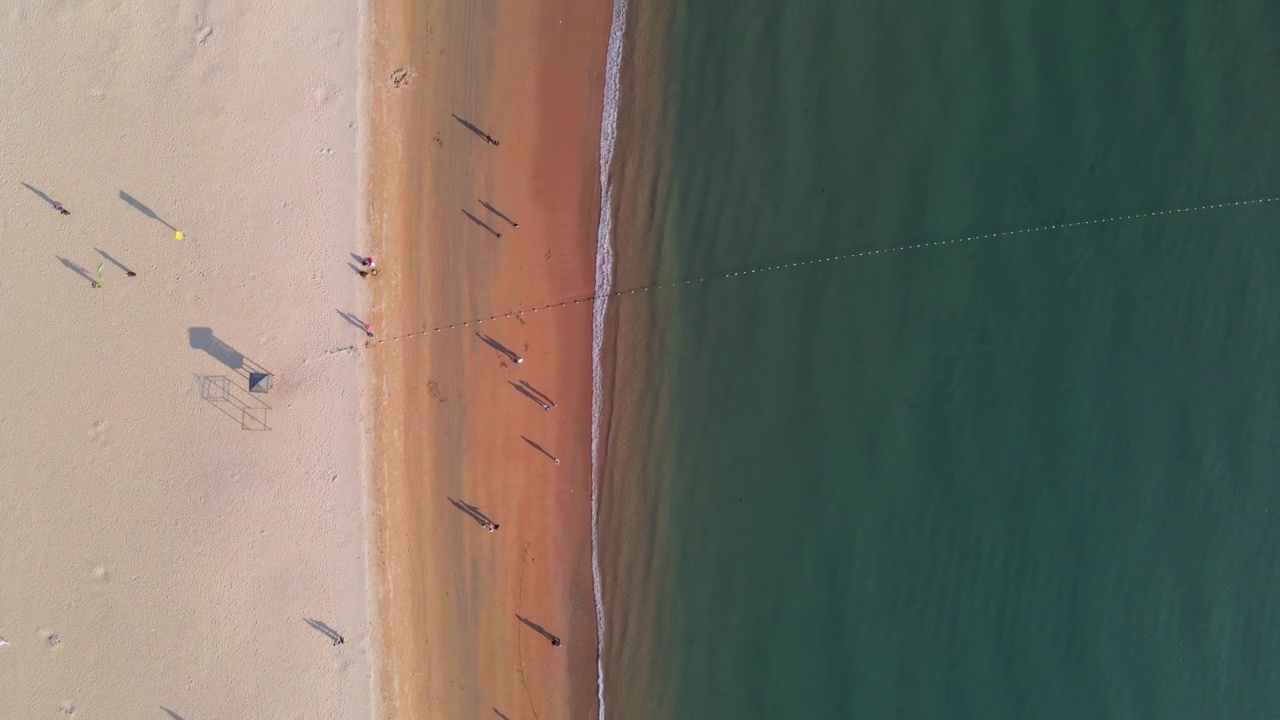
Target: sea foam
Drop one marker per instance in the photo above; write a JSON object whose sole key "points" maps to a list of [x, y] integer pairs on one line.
{"points": [[604, 286]]}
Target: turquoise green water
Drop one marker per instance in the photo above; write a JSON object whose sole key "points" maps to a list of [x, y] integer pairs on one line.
{"points": [[1025, 477]]}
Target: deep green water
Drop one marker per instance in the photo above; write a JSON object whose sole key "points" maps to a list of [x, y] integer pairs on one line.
{"points": [[1027, 477]]}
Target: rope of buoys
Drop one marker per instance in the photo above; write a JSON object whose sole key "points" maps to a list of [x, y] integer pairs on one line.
{"points": [[834, 258]]}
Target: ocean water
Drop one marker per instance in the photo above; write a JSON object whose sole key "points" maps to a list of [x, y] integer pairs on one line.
{"points": [[1027, 476]]}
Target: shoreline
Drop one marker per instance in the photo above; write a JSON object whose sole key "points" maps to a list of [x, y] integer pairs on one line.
{"points": [[635, 400], [602, 337], [448, 423]]}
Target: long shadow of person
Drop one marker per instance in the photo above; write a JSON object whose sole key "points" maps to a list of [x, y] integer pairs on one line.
{"points": [[37, 191], [539, 629], [334, 636], [474, 513], [352, 319], [540, 449], [482, 224], [500, 348], [520, 389], [76, 269], [482, 134], [115, 262], [140, 207], [499, 213]]}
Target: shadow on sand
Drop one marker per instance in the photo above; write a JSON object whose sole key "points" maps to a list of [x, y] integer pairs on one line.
{"points": [[116, 262], [482, 224], [540, 449], [521, 389], [38, 192], [334, 636], [76, 269], [140, 207], [482, 134], [202, 338], [495, 211], [545, 397], [474, 513], [228, 398], [539, 629], [500, 348]]}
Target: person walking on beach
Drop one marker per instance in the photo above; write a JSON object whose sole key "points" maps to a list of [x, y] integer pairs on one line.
{"points": [[368, 330], [58, 206], [369, 267], [337, 640], [555, 641], [491, 526]]}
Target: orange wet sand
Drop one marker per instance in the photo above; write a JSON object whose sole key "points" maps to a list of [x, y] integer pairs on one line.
{"points": [[448, 420]]}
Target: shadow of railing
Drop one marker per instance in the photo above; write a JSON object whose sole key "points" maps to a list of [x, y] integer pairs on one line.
{"points": [[236, 403]]}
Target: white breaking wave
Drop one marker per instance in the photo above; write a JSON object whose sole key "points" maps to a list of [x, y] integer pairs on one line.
{"points": [[603, 288]]}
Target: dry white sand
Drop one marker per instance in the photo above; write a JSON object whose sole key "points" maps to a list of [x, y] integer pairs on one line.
{"points": [[156, 559]]}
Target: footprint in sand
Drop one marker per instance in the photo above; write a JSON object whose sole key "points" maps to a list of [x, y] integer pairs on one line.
{"points": [[101, 574], [67, 707], [98, 434], [205, 33], [322, 93], [401, 77], [50, 638]]}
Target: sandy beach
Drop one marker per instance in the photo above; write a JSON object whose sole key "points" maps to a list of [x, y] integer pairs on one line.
{"points": [[453, 421], [166, 534]]}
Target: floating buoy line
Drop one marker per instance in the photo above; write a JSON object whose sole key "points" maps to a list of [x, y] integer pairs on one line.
{"points": [[829, 259]]}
